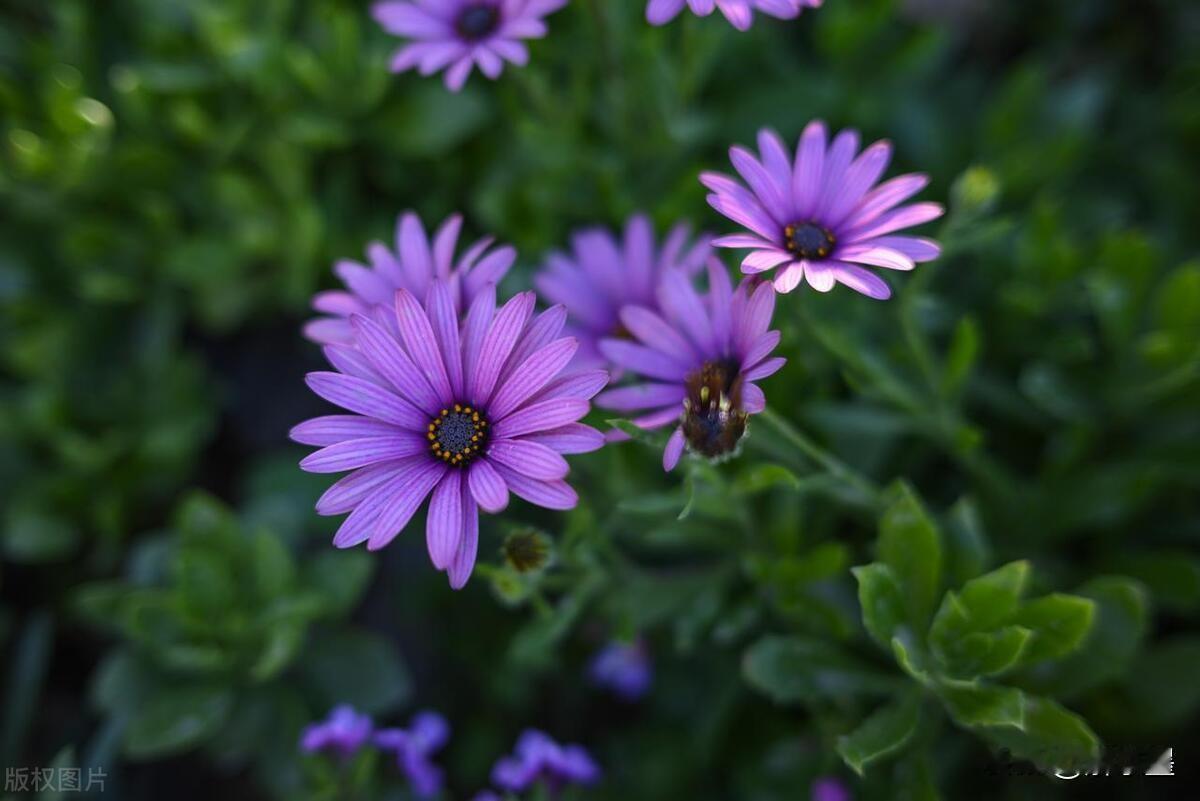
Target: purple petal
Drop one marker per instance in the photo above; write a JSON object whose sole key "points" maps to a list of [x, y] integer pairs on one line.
{"points": [[657, 333], [673, 451], [875, 256], [917, 248], [541, 416], [753, 399], [499, 342], [355, 453], [863, 280], [809, 167], [641, 396], [643, 360], [347, 492], [417, 333], [529, 458], [363, 397], [584, 385], [487, 487], [760, 349], [416, 485], [385, 354], [571, 438], [443, 525], [444, 321], [475, 328], [532, 375], [547, 494], [334, 428], [468, 545]]}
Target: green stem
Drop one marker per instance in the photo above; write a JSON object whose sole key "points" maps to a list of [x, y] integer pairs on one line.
{"points": [[826, 460]]}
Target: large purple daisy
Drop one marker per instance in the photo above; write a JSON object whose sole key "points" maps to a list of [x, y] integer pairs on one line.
{"points": [[740, 13], [465, 415], [603, 274], [822, 217], [414, 266], [700, 357], [457, 35]]}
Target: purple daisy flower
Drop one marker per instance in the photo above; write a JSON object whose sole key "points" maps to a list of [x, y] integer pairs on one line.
{"points": [[624, 668], [700, 357], [602, 274], [457, 35], [829, 789], [538, 758], [343, 733], [414, 747], [415, 265], [740, 13], [463, 414], [821, 218]]}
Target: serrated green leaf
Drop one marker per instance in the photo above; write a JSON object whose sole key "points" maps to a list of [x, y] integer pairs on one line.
{"points": [[1051, 736], [1059, 624], [909, 545], [976, 705], [796, 669], [985, 653], [177, 719], [885, 733], [881, 601]]}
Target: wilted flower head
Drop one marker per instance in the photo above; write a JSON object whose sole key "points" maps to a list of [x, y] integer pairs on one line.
{"points": [[527, 550], [414, 747], [343, 733], [624, 668], [538, 758], [602, 274], [415, 265], [464, 415], [821, 217], [700, 359], [829, 789], [740, 13], [456, 35]]}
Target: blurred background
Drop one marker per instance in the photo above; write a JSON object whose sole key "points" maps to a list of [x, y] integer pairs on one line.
{"points": [[177, 178]]}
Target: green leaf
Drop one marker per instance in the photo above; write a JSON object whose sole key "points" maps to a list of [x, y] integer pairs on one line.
{"points": [[1059, 624], [961, 356], [340, 578], [762, 477], [355, 667], [992, 598], [881, 601], [966, 544], [654, 439], [986, 653], [31, 537], [1050, 737], [881, 735], [271, 565], [796, 669], [177, 719], [1173, 577], [908, 544], [974, 704], [912, 657]]}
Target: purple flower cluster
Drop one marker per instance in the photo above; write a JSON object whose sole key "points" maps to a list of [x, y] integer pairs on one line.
{"points": [[538, 758], [740, 13], [828, 788], [346, 731], [624, 668]]}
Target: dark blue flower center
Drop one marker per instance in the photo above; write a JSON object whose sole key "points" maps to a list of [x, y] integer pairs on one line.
{"points": [[476, 21], [808, 240], [457, 435], [713, 420]]}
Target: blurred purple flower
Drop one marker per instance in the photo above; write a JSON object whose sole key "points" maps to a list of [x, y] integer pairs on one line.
{"points": [[457, 35], [828, 788], [466, 415], [485, 795], [821, 217], [538, 758], [700, 357], [414, 266], [624, 668], [740, 13], [343, 733], [414, 746], [604, 273]]}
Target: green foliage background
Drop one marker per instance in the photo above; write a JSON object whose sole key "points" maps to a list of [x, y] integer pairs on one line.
{"points": [[969, 521]]}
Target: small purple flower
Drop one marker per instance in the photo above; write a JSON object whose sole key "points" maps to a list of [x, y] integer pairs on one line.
{"points": [[828, 788], [457, 35], [485, 795], [343, 733], [602, 274], [700, 359], [624, 668], [414, 747], [740, 13], [821, 217], [462, 414], [538, 758], [415, 265]]}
